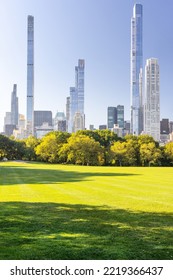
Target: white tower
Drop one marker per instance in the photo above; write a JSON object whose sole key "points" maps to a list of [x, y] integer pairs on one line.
{"points": [[152, 99]]}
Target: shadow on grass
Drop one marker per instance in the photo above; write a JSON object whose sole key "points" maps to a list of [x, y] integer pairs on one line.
{"points": [[66, 231], [11, 175]]}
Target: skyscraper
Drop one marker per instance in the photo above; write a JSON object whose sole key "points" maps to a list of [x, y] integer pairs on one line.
{"points": [[120, 116], [14, 106], [60, 121], [111, 117], [79, 84], [78, 121], [67, 112], [164, 126], [115, 116], [41, 117], [136, 69], [77, 97], [152, 99], [30, 76], [73, 108]]}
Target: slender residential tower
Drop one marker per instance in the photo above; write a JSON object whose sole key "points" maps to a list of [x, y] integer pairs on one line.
{"points": [[14, 106], [79, 84], [77, 100], [152, 99], [136, 69], [30, 76]]}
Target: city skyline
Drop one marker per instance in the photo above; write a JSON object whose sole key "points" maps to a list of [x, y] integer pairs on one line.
{"points": [[105, 48]]}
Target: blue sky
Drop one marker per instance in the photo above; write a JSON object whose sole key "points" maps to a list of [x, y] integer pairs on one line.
{"points": [[95, 30]]}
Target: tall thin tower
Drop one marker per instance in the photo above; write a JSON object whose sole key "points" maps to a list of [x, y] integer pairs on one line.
{"points": [[14, 106], [77, 99], [136, 69], [30, 76], [79, 84]]}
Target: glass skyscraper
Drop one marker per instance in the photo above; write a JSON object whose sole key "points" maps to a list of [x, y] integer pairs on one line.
{"points": [[111, 117], [73, 108], [79, 84], [136, 70], [14, 106], [120, 116], [41, 117], [30, 76], [77, 98]]}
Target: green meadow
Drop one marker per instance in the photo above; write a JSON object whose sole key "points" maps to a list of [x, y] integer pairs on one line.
{"points": [[82, 212]]}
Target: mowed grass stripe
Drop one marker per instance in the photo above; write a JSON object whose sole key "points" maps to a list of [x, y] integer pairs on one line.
{"points": [[128, 188]]}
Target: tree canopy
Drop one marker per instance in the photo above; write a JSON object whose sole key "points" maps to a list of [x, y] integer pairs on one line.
{"points": [[86, 147]]}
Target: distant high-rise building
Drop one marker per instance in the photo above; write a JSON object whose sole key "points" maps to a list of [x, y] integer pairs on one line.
{"points": [[102, 126], [164, 126], [91, 127], [62, 125], [30, 76], [171, 126], [141, 105], [8, 129], [14, 106], [41, 117], [111, 117], [126, 128], [78, 121], [20, 132], [136, 69], [22, 121], [67, 112], [42, 130], [120, 116], [77, 97], [152, 99], [60, 122], [73, 108], [7, 118], [117, 130], [79, 84]]}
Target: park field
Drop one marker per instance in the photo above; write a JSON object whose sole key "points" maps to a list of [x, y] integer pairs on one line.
{"points": [[60, 212]]}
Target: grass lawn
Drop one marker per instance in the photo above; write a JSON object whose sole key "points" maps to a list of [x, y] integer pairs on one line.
{"points": [[78, 212]]}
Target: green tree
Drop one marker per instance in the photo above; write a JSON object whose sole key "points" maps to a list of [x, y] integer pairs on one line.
{"points": [[146, 139], [30, 146], [150, 154], [132, 152], [105, 137], [50, 144], [82, 149], [11, 149], [3, 146], [133, 145], [18, 150], [168, 152], [118, 152]]}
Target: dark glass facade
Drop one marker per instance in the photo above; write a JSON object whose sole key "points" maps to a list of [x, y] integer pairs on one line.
{"points": [[111, 117], [41, 117]]}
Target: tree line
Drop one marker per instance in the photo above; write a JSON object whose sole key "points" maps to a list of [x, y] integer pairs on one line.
{"points": [[86, 147]]}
